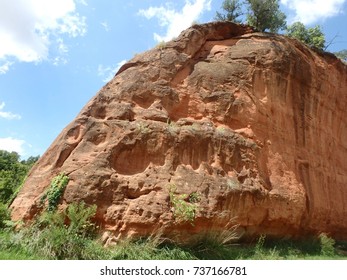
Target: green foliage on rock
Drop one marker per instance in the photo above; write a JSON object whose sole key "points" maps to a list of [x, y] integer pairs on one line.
{"points": [[55, 191], [313, 37], [184, 205]]}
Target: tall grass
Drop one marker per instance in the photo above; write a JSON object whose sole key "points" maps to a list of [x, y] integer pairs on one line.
{"points": [[50, 237], [59, 244], [71, 235], [149, 249]]}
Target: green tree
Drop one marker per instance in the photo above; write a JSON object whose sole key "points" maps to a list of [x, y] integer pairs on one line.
{"points": [[265, 15], [313, 37], [8, 160], [30, 161], [232, 9], [12, 173], [4, 215]]}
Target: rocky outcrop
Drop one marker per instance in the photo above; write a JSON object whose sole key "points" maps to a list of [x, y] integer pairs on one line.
{"points": [[223, 126]]}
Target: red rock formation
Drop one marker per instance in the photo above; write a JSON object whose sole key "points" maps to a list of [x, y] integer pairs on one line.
{"points": [[252, 126]]}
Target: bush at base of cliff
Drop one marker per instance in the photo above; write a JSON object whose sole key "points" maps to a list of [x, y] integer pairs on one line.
{"points": [[50, 238], [327, 245]]}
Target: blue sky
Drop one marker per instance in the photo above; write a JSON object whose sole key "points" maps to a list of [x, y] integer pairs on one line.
{"points": [[56, 54]]}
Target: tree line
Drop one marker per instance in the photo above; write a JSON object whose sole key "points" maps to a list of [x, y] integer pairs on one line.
{"points": [[12, 174], [265, 15]]}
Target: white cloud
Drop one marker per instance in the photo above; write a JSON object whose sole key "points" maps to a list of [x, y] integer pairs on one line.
{"points": [[62, 50], [8, 115], [12, 145], [176, 21], [5, 67], [312, 11], [28, 28], [59, 60], [108, 72], [105, 26], [61, 46], [83, 2]]}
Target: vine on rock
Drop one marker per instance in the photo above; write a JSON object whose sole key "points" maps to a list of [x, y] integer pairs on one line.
{"points": [[55, 191]]}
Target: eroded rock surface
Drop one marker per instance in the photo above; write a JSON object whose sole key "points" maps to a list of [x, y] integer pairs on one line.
{"points": [[252, 125]]}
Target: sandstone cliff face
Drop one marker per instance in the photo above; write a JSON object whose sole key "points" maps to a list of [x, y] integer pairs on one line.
{"points": [[252, 126]]}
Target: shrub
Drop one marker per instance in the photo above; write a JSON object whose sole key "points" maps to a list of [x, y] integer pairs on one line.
{"points": [[327, 245], [80, 215], [161, 45], [142, 128], [194, 197], [60, 243], [51, 238], [183, 210]]}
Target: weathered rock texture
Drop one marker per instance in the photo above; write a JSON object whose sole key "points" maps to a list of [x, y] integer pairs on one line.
{"points": [[254, 125]]}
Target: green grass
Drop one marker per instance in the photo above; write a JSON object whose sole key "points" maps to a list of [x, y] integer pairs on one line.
{"points": [[12, 250], [13, 254], [148, 250], [71, 235], [58, 244]]}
